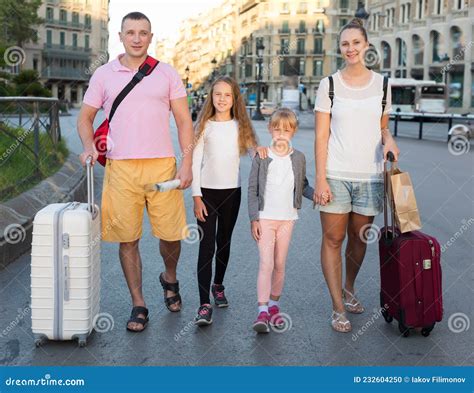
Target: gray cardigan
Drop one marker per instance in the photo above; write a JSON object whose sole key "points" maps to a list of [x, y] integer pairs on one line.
{"points": [[258, 181]]}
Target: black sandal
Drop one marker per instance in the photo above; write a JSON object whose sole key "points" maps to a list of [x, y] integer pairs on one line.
{"points": [[136, 311], [173, 287]]}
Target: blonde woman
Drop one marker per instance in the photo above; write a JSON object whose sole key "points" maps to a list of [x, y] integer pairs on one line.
{"points": [[352, 141]]}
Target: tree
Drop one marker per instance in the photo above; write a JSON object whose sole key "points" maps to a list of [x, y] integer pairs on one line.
{"points": [[18, 20]]}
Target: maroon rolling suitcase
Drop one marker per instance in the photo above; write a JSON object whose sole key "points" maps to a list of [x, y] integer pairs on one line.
{"points": [[410, 275]]}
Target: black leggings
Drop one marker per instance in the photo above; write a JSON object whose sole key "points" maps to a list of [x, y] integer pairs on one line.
{"points": [[222, 209]]}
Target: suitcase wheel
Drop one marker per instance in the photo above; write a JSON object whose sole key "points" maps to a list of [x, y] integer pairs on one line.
{"points": [[425, 332], [388, 318], [40, 339], [82, 342], [403, 329]]}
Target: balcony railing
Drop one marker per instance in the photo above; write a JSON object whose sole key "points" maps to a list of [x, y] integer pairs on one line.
{"points": [[64, 73], [66, 51], [64, 24], [302, 30], [284, 31]]}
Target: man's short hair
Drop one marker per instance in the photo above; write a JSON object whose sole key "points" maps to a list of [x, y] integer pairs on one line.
{"points": [[135, 16]]}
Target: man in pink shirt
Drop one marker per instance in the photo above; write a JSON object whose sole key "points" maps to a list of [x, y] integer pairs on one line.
{"points": [[140, 152]]}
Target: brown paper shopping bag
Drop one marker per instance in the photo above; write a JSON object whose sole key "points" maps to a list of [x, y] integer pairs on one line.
{"points": [[407, 217]]}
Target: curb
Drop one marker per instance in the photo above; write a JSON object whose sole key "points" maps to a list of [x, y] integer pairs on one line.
{"points": [[17, 214]]}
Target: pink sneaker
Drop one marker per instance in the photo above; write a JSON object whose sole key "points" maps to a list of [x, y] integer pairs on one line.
{"points": [[275, 318], [261, 324]]}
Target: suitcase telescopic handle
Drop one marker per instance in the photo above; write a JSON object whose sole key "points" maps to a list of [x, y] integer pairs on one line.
{"points": [[90, 185], [386, 195]]}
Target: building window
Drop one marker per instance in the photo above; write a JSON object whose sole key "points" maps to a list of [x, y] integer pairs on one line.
{"points": [[49, 37], [74, 40], [418, 49], [435, 39], [302, 68], [282, 67], [87, 20], [300, 46], [75, 18], [402, 53], [438, 7], [285, 8], [35, 64], [49, 14], [459, 4], [62, 38], [342, 22], [86, 41], [248, 70], [303, 8], [284, 46], [319, 26], [63, 15], [407, 12], [285, 28], [387, 55], [420, 9], [343, 4], [302, 26], [317, 68], [318, 45]]}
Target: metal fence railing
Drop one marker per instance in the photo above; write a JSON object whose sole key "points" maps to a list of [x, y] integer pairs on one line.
{"points": [[33, 115]]}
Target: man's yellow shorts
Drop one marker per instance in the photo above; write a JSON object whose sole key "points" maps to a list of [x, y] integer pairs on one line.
{"points": [[125, 196]]}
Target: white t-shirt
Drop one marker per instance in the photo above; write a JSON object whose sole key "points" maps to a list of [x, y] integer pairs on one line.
{"points": [[355, 150], [216, 157], [279, 189]]}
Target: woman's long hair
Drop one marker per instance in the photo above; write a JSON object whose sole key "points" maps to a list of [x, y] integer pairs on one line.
{"points": [[247, 138]]}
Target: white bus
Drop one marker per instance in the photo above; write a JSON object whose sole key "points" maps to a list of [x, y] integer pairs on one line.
{"points": [[411, 95]]}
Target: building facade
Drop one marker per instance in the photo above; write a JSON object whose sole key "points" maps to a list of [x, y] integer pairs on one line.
{"points": [[72, 43], [426, 40], [300, 40]]}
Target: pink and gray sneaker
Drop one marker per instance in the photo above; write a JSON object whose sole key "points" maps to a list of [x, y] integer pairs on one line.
{"points": [[275, 318], [261, 324]]}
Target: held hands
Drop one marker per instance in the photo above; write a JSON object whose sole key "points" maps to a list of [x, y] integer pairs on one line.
{"points": [[322, 193], [256, 230], [199, 209]]}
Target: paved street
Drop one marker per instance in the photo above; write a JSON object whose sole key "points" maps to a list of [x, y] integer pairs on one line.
{"points": [[444, 189]]}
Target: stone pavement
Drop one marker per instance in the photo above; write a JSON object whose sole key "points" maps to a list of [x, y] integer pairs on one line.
{"points": [[445, 190]]}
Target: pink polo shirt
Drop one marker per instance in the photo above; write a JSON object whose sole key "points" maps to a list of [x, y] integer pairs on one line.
{"points": [[140, 126]]}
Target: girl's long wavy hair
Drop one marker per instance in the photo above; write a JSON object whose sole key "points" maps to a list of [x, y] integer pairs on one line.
{"points": [[247, 138]]}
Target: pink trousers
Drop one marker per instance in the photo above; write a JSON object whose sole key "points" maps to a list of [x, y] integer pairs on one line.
{"points": [[273, 248]]}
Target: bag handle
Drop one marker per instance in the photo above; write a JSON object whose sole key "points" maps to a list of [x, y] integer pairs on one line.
{"points": [[145, 69], [331, 89], [387, 192]]}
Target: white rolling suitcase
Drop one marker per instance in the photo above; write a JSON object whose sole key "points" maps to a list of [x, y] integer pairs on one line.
{"points": [[65, 269]]}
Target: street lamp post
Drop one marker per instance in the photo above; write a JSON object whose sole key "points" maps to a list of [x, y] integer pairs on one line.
{"points": [[213, 62], [260, 48], [187, 76]]}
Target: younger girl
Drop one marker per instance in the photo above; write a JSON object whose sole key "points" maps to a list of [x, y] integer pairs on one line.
{"points": [[276, 186], [223, 133]]}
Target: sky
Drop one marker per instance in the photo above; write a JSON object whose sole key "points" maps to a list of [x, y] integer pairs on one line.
{"points": [[165, 17]]}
